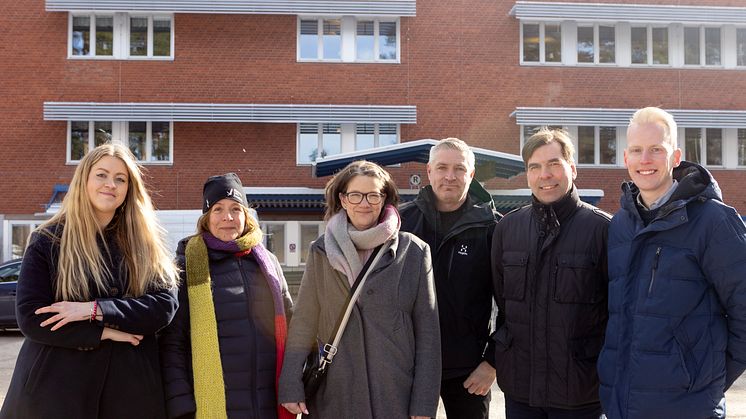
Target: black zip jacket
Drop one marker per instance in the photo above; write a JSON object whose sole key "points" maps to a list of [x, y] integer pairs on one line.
{"points": [[551, 284], [461, 265]]}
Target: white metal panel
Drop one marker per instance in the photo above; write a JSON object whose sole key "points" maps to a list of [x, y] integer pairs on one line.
{"points": [[275, 7], [537, 10], [621, 117], [211, 112]]}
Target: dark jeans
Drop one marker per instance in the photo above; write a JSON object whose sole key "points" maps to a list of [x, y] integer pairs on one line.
{"points": [[459, 404], [518, 410]]}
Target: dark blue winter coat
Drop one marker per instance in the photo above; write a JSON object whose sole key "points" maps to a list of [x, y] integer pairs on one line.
{"points": [[244, 310], [676, 336]]}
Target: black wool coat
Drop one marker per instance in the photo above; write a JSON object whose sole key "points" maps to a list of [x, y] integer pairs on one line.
{"points": [[71, 372]]}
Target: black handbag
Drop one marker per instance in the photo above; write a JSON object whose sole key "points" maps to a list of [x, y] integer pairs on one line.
{"points": [[318, 361]]}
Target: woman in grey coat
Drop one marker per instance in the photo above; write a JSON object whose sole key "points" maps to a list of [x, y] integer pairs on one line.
{"points": [[388, 360]]}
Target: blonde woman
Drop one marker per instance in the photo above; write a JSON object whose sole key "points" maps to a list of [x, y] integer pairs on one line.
{"points": [[97, 282]]}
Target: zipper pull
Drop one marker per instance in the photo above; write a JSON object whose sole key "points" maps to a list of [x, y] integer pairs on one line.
{"points": [[655, 268]]}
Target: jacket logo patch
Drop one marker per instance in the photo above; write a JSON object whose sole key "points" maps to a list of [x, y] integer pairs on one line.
{"points": [[463, 251]]}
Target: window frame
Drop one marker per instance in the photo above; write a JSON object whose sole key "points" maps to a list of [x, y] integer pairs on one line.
{"points": [[376, 135], [596, 44], [348, 137], [597, 146], [320, 230], [738, 149], [737, 29], [348, 39], [542, 43], [120, 36], [703, 46], [284, 261], [703, 146], [8, 234], [649, 46], [120, 134]]}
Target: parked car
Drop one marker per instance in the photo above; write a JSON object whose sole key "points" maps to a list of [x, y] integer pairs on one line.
{"points": [[8, 280]]}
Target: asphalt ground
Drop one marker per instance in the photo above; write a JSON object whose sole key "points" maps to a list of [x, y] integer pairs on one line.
{"points": [[10, 344]]}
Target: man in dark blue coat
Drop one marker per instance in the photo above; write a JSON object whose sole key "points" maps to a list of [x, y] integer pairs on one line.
{"points": [[676, 337]]}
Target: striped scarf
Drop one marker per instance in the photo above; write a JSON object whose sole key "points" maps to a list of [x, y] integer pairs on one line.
{"points": [[209, 386]]}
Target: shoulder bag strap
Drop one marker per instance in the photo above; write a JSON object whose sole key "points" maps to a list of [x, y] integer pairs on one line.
{"points": [[330, 349]]}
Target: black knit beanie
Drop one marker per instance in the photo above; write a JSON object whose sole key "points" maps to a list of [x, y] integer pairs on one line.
{"points": [[221, 187]]}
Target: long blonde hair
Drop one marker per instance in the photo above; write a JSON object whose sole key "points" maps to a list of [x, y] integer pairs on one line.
{"points": [[149, 264]]}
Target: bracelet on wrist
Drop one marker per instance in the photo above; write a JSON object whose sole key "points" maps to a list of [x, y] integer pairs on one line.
{"points": [[94, 311]]}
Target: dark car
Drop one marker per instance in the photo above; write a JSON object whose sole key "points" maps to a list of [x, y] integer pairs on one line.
{"points": [[8, 280]]}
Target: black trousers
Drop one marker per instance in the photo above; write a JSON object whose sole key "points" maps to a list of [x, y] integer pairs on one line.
{"points": [[518, 410], [459, 404]]}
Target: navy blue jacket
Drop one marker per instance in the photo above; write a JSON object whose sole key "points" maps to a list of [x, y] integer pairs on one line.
{"points": [[245, 316], [676, 336]]}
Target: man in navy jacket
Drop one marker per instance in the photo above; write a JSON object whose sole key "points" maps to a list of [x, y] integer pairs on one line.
{"points": [[676, 336]]}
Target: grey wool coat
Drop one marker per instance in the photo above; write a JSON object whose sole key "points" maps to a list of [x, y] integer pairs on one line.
{"points": [[388, 361]]}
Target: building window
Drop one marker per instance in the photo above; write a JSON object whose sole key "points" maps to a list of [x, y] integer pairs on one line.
{"points": [[742, 146], [326, 39], [376, 41], [542, 42], [321, 140], [15, 237], [308, 233], [150, 142], [597, 145], [702, 45], [741, 47], [704, 146], [649, 45], [318, 140], [596, 44], [121, 36], [528, 130], [274, 236], [375, 135]]}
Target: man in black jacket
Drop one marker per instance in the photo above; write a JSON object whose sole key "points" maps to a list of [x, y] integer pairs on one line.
{"points": [[456, 216], [549, 267]]}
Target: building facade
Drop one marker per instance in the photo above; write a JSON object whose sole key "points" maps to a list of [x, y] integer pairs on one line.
{"points": [[264, 88]]}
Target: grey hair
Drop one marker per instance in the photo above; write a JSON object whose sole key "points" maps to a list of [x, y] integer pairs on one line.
{"points": [[452, 143]]}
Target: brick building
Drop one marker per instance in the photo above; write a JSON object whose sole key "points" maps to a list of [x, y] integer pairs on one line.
{"points": [[198, 88]]}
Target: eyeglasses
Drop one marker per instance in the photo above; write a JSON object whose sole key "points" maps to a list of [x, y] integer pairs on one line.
{"points": [[373, 198]]}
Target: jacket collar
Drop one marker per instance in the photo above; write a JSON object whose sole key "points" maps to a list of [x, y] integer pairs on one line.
{"points": [[480, 207], [559, 211], [695, 182]]}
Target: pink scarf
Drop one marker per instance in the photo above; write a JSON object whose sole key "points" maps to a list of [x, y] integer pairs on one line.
{"points": [[345, 244]]}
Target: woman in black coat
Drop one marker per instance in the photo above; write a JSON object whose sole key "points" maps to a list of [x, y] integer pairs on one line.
{"points": [[223, 352], [96, 284]]}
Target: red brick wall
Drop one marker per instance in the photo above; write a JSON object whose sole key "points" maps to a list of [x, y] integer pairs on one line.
{"points": [[459, 66]]}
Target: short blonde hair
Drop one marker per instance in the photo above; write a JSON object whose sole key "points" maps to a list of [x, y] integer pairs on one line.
{"points": [[656, 115], [452, 143]]}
